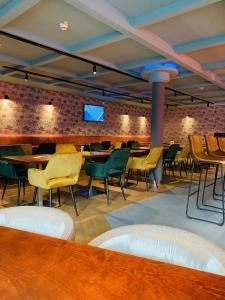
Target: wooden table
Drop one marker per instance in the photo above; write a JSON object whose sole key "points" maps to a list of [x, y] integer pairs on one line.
{"points": [[39, 267], [29, 159]]}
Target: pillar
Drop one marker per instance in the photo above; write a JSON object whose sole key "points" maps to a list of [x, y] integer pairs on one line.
{"points": [[159, 77]]}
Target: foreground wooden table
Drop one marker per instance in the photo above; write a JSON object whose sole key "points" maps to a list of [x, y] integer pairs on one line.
{"points": [[39, 267]]}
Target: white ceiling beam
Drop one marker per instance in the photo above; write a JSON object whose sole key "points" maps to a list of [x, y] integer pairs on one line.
{"points": [[110, 16], [14, 9]]}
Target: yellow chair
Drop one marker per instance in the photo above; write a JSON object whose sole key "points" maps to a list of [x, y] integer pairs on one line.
{"points": [[146, 164], [221, 143], [117, 145], [27, 148], [182, 157], [213, 147], [65, 148], [62, 170]]}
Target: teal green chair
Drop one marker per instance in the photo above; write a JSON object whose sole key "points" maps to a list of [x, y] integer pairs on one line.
{"points": [[115, 166], [96, 147], [12, 171]]}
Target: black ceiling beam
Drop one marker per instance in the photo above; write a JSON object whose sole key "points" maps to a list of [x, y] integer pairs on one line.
{"points": [[65, 53], [75, 83]]}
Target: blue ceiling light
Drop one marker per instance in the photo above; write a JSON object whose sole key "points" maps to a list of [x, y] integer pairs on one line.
{"points": [[162, 65]]}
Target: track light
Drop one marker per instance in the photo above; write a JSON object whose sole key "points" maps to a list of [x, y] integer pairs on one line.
{"points": [[192, 99], [6, 97], [94, 70], [208, 104], [49, 103], [26, 77], [175, 93], [103, 93]]}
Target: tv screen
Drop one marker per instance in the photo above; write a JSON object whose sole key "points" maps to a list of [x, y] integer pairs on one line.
{"points": [[94, 113]]}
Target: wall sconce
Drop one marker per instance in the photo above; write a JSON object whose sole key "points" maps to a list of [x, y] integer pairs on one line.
{"points": [[50, 106], [6, 97]]}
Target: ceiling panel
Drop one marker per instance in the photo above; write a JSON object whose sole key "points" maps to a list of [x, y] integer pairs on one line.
{"points": [[200, 23], [121, 52], [20, 50], [211, 54], [44, 18], [134, 8]]}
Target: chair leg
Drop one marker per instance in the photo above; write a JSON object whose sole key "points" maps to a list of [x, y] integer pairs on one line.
{"points": [[106, 187], [5, 186], [155, 179], [73, 199], [18, 194], [24, 186], [35, 195], [137, 176], [90, 186], [128, 175], [59, 198], [50, 197], [122, 188], [146, 181]]}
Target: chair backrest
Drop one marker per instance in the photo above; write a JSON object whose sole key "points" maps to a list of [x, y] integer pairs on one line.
{"points": [[46, 148], [133, 144], [106, 145], [27, 148], [65, 148], [96, 147], [221, 142], [185, 151], [195, 145], [172, 152], [118, 159], [211, 143], [154, 155], [64, 164], [13, 150], [117, 145]]}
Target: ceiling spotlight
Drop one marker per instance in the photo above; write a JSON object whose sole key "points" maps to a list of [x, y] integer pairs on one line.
{"points": [[103, 92], [49, 103], [192, 99], [94, 70], [26, 77], [208, 104], [64, 25], [6, 97]]}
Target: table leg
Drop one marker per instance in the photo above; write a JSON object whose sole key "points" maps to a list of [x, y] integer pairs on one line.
{"points": [[40, 197]]}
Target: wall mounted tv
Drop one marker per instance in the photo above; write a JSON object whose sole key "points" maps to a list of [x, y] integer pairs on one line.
{"points": [[94, 113]]}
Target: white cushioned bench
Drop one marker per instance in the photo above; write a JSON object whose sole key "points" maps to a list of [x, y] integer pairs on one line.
{"points": [[43, 220], [167, 244]]}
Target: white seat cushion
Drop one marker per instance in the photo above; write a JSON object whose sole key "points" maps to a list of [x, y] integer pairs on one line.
{"points": [[43, 220], [167, 244]]}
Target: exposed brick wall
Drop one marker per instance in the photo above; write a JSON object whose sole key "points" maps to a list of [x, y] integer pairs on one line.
{"points": [[179, 122], [27, 113]]}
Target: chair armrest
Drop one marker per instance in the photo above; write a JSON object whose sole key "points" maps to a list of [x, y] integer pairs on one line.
{"points": [[38, 178]]}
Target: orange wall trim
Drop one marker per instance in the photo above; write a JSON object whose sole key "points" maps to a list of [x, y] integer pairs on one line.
{"points": [[36, 139]]}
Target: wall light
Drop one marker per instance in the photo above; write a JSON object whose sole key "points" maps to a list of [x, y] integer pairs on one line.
{"points": [[6, 97], [26, 78], [94, 70]]}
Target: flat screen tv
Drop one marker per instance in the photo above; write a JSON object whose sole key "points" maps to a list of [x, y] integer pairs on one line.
{"points": [[94, 113]]}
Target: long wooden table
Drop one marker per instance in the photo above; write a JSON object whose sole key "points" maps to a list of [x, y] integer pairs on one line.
{"points": [[35, 267]]}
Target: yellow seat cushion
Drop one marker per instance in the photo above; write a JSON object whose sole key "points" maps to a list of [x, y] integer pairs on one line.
{"points": [[117, 145]]}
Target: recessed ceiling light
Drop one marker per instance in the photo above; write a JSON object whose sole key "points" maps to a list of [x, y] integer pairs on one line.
{"points": [[64, 25]]}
